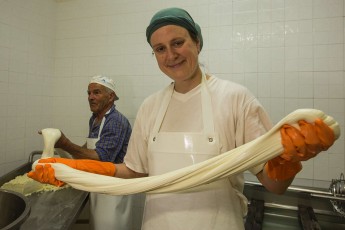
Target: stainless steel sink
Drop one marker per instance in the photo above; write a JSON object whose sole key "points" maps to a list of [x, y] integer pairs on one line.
{"points": [[48, 210], [14, 209]]}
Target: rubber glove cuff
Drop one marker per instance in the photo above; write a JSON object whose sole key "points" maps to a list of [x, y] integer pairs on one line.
{"points": [[92, 166], [280, 169]]}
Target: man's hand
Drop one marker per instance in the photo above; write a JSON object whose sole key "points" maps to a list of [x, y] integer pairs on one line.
{"points": [[62, 142]]}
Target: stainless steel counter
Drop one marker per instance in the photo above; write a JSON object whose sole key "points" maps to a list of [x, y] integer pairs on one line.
{"points": [[283, 211], [50, 210], [55, 210]]}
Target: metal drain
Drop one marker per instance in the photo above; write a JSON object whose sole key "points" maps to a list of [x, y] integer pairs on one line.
{"points": [[337, 188]]}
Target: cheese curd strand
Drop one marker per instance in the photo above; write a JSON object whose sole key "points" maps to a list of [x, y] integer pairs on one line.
{"points": [[232, 162], [50, 137]]}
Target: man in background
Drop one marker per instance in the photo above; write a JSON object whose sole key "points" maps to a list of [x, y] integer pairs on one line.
{"points": [[109, 133]]}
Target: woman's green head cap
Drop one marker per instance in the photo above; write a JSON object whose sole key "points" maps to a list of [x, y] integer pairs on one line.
{"points": [[173, 16]]}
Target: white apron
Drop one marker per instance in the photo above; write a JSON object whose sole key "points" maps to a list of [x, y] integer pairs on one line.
{"points": [[108, 212], [212, 207]]}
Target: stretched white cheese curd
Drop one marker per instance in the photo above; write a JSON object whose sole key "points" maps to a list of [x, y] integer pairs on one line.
{"points": [[232, 162], [50, 137]]}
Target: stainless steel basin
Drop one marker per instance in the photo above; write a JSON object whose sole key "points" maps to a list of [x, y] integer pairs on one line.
{"points": [[14, 209], [57, 210]]}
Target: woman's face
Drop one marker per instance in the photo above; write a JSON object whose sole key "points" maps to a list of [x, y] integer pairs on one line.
{"points": [[176, 53]]}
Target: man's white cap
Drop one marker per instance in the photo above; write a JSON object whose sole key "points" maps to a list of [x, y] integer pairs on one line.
{"points": [[105, 81]]}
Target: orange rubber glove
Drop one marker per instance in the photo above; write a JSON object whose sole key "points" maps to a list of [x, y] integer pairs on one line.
{"points": [[299, 145], [46, 174]]}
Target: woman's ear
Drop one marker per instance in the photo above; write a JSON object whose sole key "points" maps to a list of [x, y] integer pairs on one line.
{"points": [[198, 46]]}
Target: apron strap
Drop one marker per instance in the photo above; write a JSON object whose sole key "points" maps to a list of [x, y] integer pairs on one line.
{"points": [[163, 108], [102, 124], [101, 127], [206, 104]]}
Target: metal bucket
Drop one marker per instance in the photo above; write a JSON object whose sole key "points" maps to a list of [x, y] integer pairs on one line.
{"points": [[14, 209]]}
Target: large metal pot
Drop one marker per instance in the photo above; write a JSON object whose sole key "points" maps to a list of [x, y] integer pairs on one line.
{"points": [[14, 209]]}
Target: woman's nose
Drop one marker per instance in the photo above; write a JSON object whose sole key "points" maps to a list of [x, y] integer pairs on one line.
{"points": [[171, 54]]}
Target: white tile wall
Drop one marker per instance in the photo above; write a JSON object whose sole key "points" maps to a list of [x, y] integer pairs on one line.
{"points": [[27, 41], [289, 53]]}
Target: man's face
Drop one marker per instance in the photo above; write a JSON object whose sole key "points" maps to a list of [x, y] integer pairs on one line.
{"points": [[99, 98]]}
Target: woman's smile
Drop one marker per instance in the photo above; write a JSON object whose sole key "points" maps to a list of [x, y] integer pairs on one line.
{"points": [[176, 65]]}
